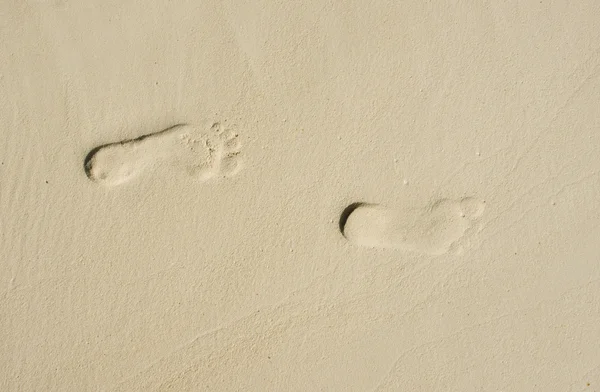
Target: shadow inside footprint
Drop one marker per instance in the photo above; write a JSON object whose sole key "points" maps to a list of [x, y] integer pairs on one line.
{"points": [[346, 213]]}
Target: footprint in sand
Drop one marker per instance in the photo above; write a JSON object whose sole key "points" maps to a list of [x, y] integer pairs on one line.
{"points": [[435, 230], [201, 153]]}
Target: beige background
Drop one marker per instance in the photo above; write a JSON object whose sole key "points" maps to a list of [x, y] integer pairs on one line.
{"points": [[246, 283]]}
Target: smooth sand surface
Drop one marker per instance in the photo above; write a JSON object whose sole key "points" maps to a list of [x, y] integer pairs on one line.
{"points": [[299, 195]]}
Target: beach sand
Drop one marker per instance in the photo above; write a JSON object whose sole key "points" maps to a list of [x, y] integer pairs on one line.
{"points": [[299, 196]]}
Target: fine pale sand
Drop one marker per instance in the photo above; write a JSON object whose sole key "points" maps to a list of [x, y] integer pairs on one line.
{"points": [[300, 196]]}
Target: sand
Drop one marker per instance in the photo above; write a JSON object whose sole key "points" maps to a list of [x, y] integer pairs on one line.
{"points": [[299, 196]]}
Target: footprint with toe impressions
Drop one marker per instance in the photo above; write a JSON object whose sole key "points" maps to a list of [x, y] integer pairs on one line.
{"points": [[201, 153], [435, 230]]}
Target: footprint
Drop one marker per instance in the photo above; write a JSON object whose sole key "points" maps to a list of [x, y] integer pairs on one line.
{"points": [[201, 153], [434, 230]]}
